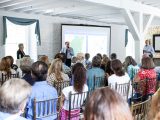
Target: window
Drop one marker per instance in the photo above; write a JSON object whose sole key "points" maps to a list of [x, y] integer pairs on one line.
{"points": [[21, 34]]}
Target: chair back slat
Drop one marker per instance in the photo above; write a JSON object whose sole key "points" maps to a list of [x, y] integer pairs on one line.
{"points": [[140, 110], [6, 77], [99, 81], [45, 108], [76, 102], [122, 89], [60, 85]]}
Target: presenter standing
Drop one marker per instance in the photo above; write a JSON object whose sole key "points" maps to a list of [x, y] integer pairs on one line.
{"points": [[148, 49], [20, 52], [69, 53]]}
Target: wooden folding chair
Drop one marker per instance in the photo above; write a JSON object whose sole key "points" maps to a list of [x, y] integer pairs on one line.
{"points": [[76, 103], [99, 81], [46, 109], [6, 77], [60, 85], [140, 110]]}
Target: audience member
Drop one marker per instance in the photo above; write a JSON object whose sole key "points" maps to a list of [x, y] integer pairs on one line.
{"points": [[55, 72], [25, 66], [119, 76], [40, 90], [80, 58], [11, 61], [79, 86], [94, 71], [104, 62], [99, 55], [45, 59], [5, 67], [131, 67], [106, 104], [109, 71], [148, 73], [74, 61], [113, 56], [13, 97], [88, 63], [65, 68]]}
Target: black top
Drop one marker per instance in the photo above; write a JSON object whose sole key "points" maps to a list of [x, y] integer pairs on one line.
{"points": [[20, 54]]}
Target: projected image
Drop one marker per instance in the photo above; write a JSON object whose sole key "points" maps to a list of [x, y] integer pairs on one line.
{"points": [[97, 44], [77, 42], [87, 39]]}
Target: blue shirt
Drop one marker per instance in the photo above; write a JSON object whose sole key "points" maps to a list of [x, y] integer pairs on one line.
{"points": [[4, 116], [41, 91], [95, 71], [148, 49], [69, 52]]}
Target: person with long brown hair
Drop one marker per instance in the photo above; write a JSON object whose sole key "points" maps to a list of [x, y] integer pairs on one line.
{"points": [[148, 73], [106, 104], [5, 67], [79, 86], [55, 72]]}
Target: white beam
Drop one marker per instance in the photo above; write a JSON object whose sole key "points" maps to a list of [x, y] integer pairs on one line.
{"points": [[148, 24], [3, 1], [32, 3], [131, 24], [130, 5], [11, 3]]}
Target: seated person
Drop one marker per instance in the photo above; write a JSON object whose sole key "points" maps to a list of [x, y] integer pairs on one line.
{"points": [[5, 68], [25, 68], [94, 71], [106, 104], [78, 86], [11, 61], [13, 97], [88, 63], [55, 73], [40, 90]]}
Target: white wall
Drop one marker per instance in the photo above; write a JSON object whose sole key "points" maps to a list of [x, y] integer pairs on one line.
{"points": [[118, 41], [50, 28]]}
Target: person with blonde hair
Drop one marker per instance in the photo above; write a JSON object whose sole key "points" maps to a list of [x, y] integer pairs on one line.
{"points": [[55, 72], [20, 52], [13, 97], [148, 48], [106, 104]]}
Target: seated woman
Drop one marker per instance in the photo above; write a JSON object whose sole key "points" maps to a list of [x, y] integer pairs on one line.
{"points": [[79, 86], [119, 76], [25, 68], [55, 72], [147, 74], [45, 59], [11, 61], [131, 67], [5, 67], [106, 104], [13, 97]]}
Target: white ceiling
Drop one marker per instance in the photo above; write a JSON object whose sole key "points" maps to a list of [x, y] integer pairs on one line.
{"points": [[76, 9]]}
